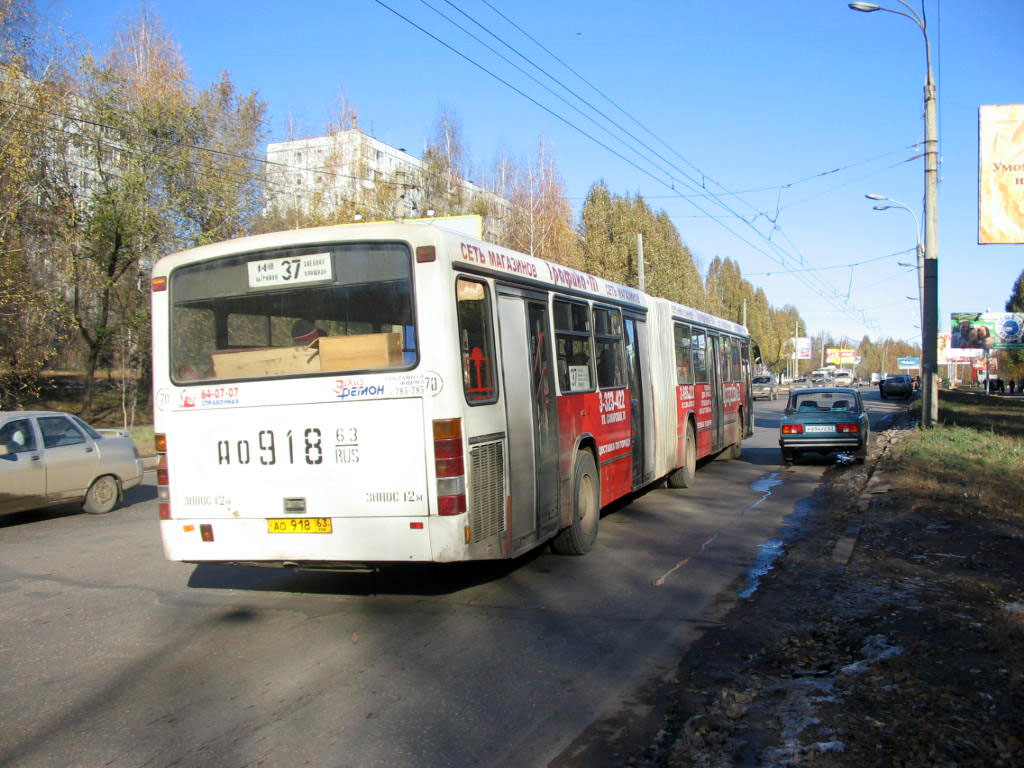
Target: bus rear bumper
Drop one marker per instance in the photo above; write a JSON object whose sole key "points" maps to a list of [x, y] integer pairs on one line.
{"points": [[351, 541]]}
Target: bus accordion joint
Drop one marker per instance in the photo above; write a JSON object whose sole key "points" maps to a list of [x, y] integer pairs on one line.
{"points": [[449, 466]]}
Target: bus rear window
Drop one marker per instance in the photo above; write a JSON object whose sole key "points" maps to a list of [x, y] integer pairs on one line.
{"points": [[305, 310]]}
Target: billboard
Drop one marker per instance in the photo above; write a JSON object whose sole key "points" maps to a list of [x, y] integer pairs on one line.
{"points": [[908, 363], [1001, 174], [840, 356], [949, 354], [801, 347], [987, 330]]}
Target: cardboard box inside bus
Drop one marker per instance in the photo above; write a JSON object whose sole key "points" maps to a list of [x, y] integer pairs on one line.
{"points": [[328, 353], [267, 361], [356, 353]]}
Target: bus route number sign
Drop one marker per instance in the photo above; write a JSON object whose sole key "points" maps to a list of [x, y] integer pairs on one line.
{"points": [[307, 268]]}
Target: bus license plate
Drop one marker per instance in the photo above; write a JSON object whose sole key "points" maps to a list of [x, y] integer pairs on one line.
{"points": [[819, 428], [298, 525]]}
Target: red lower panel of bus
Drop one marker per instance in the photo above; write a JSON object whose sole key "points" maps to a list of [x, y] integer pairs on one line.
{"points": [[606, 416], [695, 401]]}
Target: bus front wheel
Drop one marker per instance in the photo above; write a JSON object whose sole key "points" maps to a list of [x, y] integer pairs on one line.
{"points": [[581, 534]]}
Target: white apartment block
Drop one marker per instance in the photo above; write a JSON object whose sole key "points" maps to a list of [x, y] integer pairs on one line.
{"points": [[352, 168]]}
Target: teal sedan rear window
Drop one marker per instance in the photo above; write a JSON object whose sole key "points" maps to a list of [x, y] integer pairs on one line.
{"points": [[824, 401]]}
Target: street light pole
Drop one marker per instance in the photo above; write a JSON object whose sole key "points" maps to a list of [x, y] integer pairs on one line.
{"points": [[920, 250], [930, 273]]}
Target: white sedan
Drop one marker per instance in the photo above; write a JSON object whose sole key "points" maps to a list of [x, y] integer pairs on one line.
{"points": [[48, 457]]}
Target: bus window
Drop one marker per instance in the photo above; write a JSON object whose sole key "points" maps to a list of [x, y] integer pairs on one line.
{"points": [[737, 365], [725, 352], [236, 318], [258, 331], [476, 340], [698, 346], [684, 373], [572, 343], [190, 355], [608, 345]]}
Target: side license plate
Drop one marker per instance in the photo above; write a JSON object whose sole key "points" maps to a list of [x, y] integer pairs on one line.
{"points": [[298, 525], [819, 428]]}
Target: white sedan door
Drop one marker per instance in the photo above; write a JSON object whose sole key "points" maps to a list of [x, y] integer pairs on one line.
{"points": [[70, 457], [22, 472]]}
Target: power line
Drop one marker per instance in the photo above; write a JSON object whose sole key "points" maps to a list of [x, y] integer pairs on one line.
{"points": [[780, 255], [842, 266]]}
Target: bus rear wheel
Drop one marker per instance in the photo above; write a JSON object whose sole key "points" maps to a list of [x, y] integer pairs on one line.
{"points": [[685, 476], [579, 537]]}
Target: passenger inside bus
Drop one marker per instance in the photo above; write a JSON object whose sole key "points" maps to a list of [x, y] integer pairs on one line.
{"points": [[305, 331]]}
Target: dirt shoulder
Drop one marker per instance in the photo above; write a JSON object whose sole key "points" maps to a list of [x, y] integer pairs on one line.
{"points": [[890, 633]]}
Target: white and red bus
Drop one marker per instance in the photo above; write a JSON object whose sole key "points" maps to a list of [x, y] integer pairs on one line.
{"points": [[404, 392]]}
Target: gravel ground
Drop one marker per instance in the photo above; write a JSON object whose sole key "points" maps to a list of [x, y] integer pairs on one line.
{"points": [[887, 634]]}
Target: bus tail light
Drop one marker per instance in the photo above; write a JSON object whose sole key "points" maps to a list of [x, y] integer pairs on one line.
{"points": [[792, 429], [163, 490], [449, 466]]}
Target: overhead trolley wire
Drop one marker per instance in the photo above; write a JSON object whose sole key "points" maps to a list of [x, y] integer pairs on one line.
{"points": [[827, 292], [824, 287]]}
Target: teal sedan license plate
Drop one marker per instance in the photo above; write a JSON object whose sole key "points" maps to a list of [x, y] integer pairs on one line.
{"points": [[819, 428]]}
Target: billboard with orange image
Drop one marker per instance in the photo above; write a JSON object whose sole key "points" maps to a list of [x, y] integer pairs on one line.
{"points": [[1001, 174]]}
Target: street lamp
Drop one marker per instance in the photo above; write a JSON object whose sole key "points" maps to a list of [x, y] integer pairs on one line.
{"points": [[920, 246], [930, 272]]}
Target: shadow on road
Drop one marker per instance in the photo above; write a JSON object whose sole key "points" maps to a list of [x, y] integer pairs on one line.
{"points": [[39, 515], [427, 579], [761, 457]]}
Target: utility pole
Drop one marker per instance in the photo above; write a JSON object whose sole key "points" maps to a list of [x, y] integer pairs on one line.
{"points": [[640, 260], [930, 276]]}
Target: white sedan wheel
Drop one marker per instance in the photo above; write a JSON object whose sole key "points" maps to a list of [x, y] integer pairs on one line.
{"points": [[102, 496]]}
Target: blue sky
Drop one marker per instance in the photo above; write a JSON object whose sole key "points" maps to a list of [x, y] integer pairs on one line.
{"points": [[767, 123]]}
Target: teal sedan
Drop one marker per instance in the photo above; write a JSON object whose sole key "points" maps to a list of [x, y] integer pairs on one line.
{"points": [[824, 420]]}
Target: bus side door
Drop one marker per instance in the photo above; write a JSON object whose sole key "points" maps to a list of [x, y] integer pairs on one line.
{"points": [[531, 417], [717, 397], [641, 405]]}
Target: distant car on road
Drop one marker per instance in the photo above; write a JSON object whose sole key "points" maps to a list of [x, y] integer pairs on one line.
{"points": [[896, 385], [841, 378], [824, 420], [764, 386], [48, 457], [801, 383]]}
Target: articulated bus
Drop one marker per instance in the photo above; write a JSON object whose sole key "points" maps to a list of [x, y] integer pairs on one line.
{"points": [[405, 392]]}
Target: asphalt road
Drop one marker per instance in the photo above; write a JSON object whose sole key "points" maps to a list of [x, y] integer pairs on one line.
{"points": [[113, 656]]}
